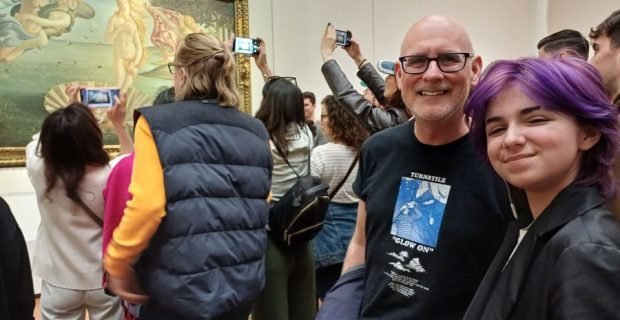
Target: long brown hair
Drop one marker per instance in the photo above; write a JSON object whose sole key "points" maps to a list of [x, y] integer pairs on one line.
{"points": [[70, 140], [345, 127]]}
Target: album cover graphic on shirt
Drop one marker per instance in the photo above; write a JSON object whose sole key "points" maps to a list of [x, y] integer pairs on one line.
{"points": [[419, 210]]}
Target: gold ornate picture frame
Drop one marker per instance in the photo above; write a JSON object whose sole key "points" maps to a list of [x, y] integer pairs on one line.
{"points": [[54, 55]]}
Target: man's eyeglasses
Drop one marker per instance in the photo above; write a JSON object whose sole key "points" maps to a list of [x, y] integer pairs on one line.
{"points": [[293, 80], [172, 67], [447, 62]]}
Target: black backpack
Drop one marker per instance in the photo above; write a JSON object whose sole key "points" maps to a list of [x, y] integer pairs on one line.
{"points": [[300, 213]]}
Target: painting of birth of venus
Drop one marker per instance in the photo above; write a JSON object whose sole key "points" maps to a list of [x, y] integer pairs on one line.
{"points": [[46, 45]]}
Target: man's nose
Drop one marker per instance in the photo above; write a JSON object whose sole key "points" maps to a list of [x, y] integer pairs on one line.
{"points": [[433, 71]]}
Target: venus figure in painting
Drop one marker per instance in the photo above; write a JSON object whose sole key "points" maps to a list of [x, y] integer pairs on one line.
{"points": [[548, 128], [125, 32]]}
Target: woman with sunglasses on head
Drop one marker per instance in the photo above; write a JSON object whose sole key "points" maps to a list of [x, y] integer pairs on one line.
{"points": [[548, 129], [289, 290], [191, 242], [336, 164], [68, 169]]}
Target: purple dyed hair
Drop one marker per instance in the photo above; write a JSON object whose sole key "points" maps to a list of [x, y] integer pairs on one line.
{"points": [[569, 86]]}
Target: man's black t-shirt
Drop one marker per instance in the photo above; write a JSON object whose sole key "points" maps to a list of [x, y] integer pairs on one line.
{"points": [[436, 216]]}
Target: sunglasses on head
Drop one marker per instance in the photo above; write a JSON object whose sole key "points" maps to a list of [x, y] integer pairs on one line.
{"points": [[293, 80]]}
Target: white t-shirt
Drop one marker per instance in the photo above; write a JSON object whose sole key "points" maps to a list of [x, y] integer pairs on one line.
{"points": [[330, 162], [300, 142]]}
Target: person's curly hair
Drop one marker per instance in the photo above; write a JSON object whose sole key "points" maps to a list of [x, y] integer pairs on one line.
{"points": [[345, 126]]}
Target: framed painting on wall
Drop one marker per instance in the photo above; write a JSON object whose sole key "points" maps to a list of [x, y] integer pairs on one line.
{"points": [[46, 45]]}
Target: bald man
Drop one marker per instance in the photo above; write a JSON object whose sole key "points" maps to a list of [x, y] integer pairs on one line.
{"points": [[432, 214]]}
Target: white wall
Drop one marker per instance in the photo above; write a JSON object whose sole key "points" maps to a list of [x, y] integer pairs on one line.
{"points": [[580, 15]]}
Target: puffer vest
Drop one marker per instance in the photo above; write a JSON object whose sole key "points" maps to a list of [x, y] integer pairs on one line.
{"points": [[207, 257]]}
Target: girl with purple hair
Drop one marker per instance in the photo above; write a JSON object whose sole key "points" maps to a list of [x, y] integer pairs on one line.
{"points": [[548, 129]]}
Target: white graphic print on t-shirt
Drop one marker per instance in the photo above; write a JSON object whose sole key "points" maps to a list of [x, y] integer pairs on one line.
{"points": [[416, 223]]}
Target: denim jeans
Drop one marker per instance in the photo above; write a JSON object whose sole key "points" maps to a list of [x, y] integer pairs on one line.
{"points": [[330, 244]]}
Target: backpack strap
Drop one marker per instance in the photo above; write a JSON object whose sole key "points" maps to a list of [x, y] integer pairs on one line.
{"points": [[346, 176], [281, 153]]}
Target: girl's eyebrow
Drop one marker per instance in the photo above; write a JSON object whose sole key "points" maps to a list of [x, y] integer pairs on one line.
{"points": [[522, 112]]}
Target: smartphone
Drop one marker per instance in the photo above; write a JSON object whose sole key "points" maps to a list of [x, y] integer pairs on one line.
{"points": [[246, 46], [343, 38], [99, 97], [386, 66]]}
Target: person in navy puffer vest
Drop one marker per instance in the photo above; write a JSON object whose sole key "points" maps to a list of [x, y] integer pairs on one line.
{"points": [[192, 241]]}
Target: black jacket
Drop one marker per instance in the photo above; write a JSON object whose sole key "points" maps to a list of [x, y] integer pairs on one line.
{"points": [[377, 118], [566, 267], [16, 292]]}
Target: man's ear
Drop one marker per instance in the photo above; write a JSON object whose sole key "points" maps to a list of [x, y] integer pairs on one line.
{"points": [[398, 73], [588, 136], [476, 70]]}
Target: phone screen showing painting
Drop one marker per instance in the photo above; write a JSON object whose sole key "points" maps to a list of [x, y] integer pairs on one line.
{"points": [[99, 97]]}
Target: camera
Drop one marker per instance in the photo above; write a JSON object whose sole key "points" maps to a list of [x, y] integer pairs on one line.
{"points": [[246, 46], [343, 38], [99, 97]]}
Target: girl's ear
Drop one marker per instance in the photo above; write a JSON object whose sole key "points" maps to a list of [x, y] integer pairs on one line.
{"points": [[588, 137]]}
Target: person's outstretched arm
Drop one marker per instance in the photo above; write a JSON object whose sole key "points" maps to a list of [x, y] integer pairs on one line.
{"points": [[366, 72], [336, 79], [261, 60], [376, 118], [116, 115]]}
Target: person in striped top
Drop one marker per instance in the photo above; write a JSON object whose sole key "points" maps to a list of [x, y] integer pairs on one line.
{"points": [[332, 162]]}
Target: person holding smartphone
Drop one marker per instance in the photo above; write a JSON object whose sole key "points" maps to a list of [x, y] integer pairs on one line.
{"points": [[68, 168], [191, 242], [378, 118]]}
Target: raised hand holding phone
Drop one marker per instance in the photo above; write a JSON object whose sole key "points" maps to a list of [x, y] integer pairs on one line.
{"points": [[73, 91], [117, 115], [343, 38], [328, 42], [99, 97], [118, 112], [246, 46]]}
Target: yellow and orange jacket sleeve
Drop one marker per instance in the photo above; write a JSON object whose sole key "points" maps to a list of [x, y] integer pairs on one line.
{"points": [[146, 209]]}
